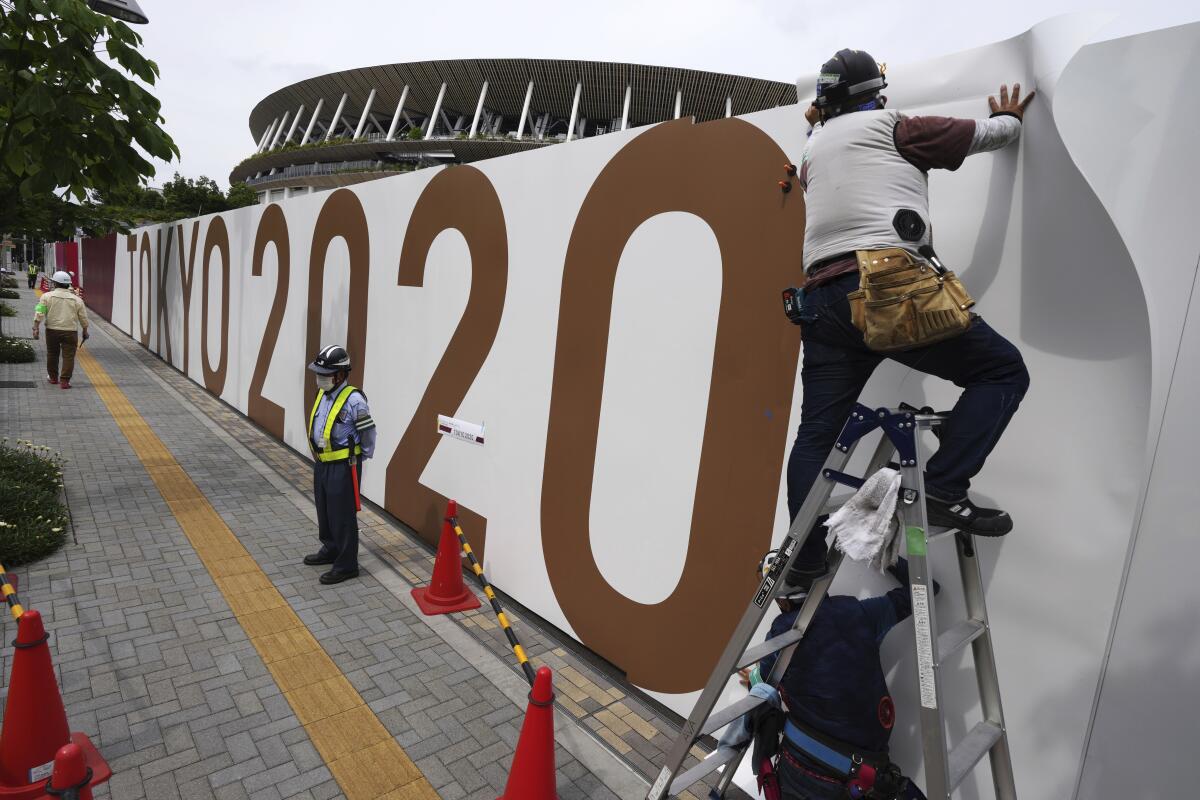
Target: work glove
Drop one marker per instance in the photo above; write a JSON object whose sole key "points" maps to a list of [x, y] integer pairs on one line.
{"points": [[85, 336]]}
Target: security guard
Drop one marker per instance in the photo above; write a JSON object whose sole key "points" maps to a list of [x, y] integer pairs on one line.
{"points": [[33, 273], [341, 434], [61, 309]]}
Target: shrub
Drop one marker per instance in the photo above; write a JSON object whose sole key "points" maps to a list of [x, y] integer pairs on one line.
{"points": [[9, 294], [8, 282], [33, 521], [15, 351], [7, 311]]}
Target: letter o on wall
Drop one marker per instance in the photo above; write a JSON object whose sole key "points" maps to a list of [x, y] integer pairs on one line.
{"points": [[671, 646], [216, 237], [341, 215]]}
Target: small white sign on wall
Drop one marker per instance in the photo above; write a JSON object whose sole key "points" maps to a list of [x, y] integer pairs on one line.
{"points": [[460, 429]]}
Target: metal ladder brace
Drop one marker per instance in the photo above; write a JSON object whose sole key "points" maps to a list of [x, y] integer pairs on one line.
{"points": [[945, 769]]}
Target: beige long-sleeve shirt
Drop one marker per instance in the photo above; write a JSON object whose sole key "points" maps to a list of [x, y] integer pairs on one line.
{"points": [[61, 309]]}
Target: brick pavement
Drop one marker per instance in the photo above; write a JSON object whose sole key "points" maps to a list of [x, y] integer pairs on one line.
{"points": [[154, 664]]}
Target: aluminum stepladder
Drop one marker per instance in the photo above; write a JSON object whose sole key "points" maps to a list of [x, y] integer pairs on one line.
{"points": [[945, 767]]}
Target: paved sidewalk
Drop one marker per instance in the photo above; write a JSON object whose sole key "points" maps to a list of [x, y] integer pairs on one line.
{"points": [[164, 666]]}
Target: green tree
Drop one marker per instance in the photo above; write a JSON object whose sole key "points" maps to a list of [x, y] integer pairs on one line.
{"points": [[69, 118], [191, 198], [240, 194]]}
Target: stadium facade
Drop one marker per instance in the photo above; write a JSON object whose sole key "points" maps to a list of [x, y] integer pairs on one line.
{"points": [[361, 124]]}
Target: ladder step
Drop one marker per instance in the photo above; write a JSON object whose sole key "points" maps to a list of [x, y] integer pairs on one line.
{"points": [[719, 719], [967, 753], [764, 649], [715, 760], [936, 533], [957, 637]]}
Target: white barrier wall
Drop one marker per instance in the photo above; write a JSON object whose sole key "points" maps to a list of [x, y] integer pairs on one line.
{"points": [[610, 310]]}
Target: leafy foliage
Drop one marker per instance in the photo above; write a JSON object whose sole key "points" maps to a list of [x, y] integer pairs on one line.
{"points": [[10, 294], [180, 197], [7, 311], [33, 521], [15, 351], [70, 119]]}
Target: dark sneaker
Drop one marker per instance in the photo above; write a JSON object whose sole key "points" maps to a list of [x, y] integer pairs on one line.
{"points": [[968, 517], [332, 576], [808, 567], [800, 578], [316, 559]]}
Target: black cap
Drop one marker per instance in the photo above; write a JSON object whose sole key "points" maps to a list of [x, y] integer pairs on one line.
{"points": [[849, 75], [331, 360]]}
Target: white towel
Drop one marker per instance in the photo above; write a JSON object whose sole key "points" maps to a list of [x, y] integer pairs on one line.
{"points": [[866, 528]]}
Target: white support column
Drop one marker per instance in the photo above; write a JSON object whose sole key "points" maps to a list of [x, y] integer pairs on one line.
{"points": [[336, 116], [279, 131], [478, 111], [312, 122], [362, 120], [391, 134], [728, 107], [263, 139], [270, 133], [678, 102], [625, 113], [295, 122], [574, 112], [525, 111], [437, 109]]}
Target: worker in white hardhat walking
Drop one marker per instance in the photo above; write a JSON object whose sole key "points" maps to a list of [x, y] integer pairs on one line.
{"points": [[62, 310]]}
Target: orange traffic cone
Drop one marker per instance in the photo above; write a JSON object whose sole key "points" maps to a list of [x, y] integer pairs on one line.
{"points": [[446, 592], [532, 773], [35, 723]]}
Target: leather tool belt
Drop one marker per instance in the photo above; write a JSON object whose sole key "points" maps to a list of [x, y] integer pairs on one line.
{"points": [[904, 302]]}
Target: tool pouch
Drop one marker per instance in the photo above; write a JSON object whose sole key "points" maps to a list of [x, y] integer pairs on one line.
{"points": [[903, 302]]}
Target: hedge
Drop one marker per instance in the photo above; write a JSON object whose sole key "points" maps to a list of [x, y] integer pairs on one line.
{"points": [[33, 521], [15, 351]]}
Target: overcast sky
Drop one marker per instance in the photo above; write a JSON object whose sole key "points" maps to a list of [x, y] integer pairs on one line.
{"points": [[220, 57]]}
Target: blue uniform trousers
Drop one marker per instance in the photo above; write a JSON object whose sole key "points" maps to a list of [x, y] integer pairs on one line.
{"points": [[337, 519]]}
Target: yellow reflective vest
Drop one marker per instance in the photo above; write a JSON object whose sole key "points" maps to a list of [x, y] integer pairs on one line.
{"points": [[327, 453]]}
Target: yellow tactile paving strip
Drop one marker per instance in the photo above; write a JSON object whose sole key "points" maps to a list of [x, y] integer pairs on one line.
{"points": [[364, 759]]}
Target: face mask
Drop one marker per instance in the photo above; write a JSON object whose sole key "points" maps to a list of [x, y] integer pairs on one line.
{"points": [[324, 382]]}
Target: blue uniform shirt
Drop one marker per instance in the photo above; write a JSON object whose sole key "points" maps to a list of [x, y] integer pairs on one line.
{"points": [[354, 423], [834, 682]]}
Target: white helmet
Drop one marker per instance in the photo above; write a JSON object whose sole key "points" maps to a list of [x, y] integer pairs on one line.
{"points": [[62, 277]]}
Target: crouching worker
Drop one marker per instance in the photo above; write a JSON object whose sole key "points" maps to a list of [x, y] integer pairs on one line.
{"points": [[839, 713], [341, 434]]}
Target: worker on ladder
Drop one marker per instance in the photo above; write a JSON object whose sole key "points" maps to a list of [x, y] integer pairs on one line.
{"points": [[839, 710], [865, 176]]}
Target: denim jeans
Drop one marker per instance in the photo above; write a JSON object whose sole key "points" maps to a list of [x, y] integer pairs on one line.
{"points": [[837, 365]]}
